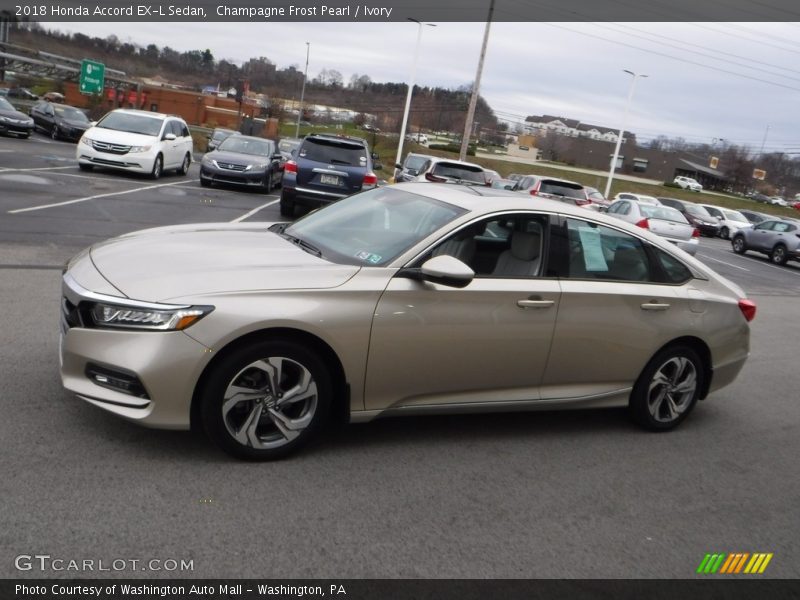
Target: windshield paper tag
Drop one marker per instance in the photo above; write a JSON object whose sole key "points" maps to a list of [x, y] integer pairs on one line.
{"points": [[369, 257]]}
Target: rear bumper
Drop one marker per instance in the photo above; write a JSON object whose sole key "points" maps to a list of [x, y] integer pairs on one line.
{"points": [[303, 196]]}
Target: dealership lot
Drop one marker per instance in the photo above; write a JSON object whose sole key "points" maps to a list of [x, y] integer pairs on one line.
{"points": [[534, 495]]}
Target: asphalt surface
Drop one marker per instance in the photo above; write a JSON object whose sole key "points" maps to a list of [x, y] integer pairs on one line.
{"points": [[556, 494]]}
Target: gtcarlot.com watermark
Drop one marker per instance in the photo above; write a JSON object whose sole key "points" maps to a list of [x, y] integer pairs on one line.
{"points": [[46, 562]]}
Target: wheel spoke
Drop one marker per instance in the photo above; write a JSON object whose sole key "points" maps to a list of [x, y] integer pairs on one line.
{"points": [[687, 384], [656, 402], [236, 394], [273, 367], [289, 428], [246, 435], [305, 388], [672, 409]]}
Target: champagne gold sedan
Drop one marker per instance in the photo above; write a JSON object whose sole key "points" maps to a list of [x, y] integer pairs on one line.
{"points": [[406, 299]]}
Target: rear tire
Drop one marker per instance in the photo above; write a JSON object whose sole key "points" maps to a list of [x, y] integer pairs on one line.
{"points": [[287, 207], [184, 168], [266, 400], [667, 389], [778, 255]]}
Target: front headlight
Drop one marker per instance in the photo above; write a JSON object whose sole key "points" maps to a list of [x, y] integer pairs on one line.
{"points": [[85, 140], [147, 317], [259, 167], [140, 148]]}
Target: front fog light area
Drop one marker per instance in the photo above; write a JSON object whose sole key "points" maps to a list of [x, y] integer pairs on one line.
{"points": [[118, 381], [128, 317]]}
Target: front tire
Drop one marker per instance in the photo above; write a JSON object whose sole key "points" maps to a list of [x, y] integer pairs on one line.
{"points": [[667, 389], [266, 400], [739, 245], [54, 134], [158, 166], [268, 183], [778, 255]]}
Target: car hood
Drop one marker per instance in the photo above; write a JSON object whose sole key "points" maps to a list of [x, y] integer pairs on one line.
{"points": [[158, 265], [14, 114], [75, 124], [237, 158], [125, 138]]}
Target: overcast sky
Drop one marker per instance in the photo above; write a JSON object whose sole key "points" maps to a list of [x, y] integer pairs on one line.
{"points": [[705, 81]]}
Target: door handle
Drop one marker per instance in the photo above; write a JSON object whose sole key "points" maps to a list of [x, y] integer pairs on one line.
{"points": [[535, 303], [654, 306]]}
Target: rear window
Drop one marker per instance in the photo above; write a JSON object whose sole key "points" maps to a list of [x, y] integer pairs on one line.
{"points": [[663, 213], [415, 162], [463, 172], [561, 188], [334, 152]]}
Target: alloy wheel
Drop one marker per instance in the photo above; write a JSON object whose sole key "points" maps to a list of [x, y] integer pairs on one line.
{"points": [[269, 403], [672, 389]]}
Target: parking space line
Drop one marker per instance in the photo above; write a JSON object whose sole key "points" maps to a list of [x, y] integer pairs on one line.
{"points": [[7, 169], [255, 210], [95, 197], [723, 262]]}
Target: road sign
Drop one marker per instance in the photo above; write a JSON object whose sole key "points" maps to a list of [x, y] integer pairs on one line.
{"points": [[92, 79]]}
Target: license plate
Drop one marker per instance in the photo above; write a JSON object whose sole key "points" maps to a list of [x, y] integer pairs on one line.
{"points": [[329, 179]]}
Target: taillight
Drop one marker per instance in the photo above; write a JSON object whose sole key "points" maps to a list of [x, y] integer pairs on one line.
{"points": [[579, 202], [748, 308], [644, 224], [370, 179], [434, 178], [695, 232], [290, 166]]}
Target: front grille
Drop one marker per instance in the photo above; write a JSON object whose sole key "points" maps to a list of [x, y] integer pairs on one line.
{"points": [[110, 148], [231, 166]]}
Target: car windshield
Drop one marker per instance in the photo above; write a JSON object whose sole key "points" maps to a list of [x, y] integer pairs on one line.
{"points": [[460, 172], [662, 213], [371, 228], [71, 114], [334, 152], [246, 145], [6, 105], [561, 188], [131, 123], [697, 211], [220, 134], [735, 215]]}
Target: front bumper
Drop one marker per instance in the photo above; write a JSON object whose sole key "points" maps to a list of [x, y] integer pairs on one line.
{"points": [[16, 128], [709, 230], [138, 162], [166, 365]]}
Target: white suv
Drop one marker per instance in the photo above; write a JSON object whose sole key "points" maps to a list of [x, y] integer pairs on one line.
{"points": [[688, 183], [139, 141]]}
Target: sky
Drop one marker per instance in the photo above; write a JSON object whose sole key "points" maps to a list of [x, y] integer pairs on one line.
{"points": [[706, 82]]}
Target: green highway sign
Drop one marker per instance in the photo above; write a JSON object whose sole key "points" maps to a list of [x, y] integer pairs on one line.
{"points": [[92, 79]]}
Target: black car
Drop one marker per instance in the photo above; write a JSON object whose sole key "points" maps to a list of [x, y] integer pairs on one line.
{"points": [[326, 168], [14, 122], [756, 217], [243, 160], [704, 221], [22, 94], [60, 121], [219, 135]]}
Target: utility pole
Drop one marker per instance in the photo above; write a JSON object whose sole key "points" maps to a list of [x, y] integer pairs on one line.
{"points": [[302, 92], [473, 101], [764, 141]]}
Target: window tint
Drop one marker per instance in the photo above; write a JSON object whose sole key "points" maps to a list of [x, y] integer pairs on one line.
{"points": [[461, 172], [765, 226], [334, 152], [560, 188], [600, 252], [674, 270], [781, 227]]}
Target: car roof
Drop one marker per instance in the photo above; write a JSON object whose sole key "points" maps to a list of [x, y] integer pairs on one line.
{"points": [[336, 138], [453, 161], [146, 113]]}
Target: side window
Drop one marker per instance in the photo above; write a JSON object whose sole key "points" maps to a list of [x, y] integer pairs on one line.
{"points": [[600, 252], [765, 226], [510, 247], [624, 208], [674, 270], [185, 130], [176, 128], [781, 227]]}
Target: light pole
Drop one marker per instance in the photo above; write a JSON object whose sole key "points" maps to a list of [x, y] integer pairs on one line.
{"points": [[621, 131], [303, 91], [410, 87]]}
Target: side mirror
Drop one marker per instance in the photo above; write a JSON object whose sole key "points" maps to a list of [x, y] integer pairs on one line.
{"points": [[170, 137], [444, 270], [398, 165]]}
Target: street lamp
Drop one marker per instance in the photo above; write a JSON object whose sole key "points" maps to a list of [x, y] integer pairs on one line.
{"points": [[621, 131], [302, 92], [410, 87]]}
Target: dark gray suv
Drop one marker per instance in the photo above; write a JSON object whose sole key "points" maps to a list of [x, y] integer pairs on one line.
{"points": [[325, 169]]}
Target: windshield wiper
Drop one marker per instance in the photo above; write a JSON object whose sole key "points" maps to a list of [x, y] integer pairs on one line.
{"points": [[307, 246]]}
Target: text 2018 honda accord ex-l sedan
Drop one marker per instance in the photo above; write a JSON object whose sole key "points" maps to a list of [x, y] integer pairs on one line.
{"points": [[400, 300]]}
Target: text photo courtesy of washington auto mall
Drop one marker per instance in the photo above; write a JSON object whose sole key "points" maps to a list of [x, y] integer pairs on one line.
{"points": [[397, 300]]}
